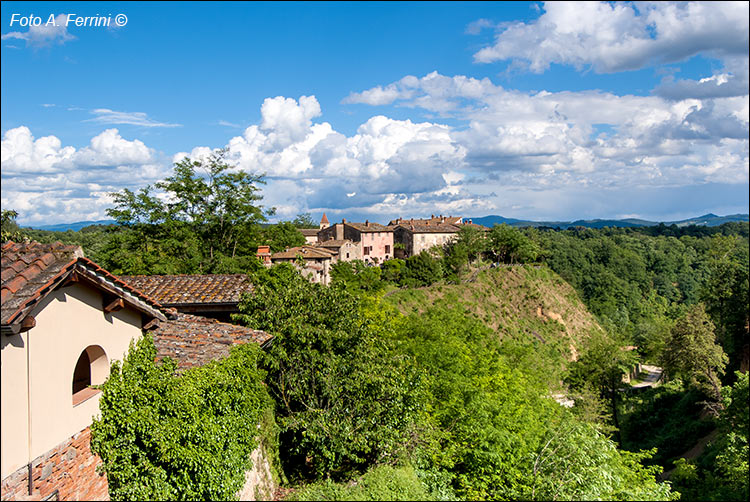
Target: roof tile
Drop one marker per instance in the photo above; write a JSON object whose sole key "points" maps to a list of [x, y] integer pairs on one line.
{"points": [[26, 270], [194, 340], [188, 289]]}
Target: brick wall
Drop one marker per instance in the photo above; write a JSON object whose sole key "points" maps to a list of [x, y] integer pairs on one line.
{"points": [[69, 469]]}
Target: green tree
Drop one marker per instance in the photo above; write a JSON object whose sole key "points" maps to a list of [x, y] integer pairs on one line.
{"points": [[10, 229], [508, 245], [345, 399], [392, 270], [692, 353], [206, 221], [422, 269], [282, 236], [304, 220], [601, 366]]}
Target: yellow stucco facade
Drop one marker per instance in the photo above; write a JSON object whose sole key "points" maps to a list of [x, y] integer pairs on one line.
{"points": [[38, 365]]}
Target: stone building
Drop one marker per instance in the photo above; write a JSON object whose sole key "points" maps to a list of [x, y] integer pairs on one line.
{"points": [[345, 249], [314, 262], [311, 235], [417, 235], [432, 220], [375, 241]]}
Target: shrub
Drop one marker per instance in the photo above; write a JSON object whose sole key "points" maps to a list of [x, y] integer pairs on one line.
{"points": [[164, 436]]}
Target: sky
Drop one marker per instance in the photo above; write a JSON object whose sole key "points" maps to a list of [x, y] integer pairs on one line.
{"points": [[529, 110]]}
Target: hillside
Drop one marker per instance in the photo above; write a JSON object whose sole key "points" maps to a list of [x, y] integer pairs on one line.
{"points": [[526, 303], [709, 220]]}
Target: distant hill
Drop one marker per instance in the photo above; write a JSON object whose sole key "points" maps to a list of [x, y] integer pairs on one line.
{"points": [[710, 220], [63, 227]]}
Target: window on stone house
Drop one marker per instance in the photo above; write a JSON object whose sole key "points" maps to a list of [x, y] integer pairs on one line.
{"points": [[387, 249], [366, 250]]}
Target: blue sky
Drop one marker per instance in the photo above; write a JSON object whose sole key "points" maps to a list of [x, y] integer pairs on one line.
{"points": [[379, 110]]}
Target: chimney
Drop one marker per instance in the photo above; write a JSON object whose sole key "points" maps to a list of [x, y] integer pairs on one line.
{"points": [[432, 216], [367, 223], [343, 220]]}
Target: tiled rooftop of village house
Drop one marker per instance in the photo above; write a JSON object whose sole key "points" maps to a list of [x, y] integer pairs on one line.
{"points": [[30, 270], [194, 340], [369, 226], [451, 220], [27, 267], [304, 252], [192, 289], [333, 243]]}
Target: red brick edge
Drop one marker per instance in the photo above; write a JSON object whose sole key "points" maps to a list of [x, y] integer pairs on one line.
{"points": [[69, 469]]}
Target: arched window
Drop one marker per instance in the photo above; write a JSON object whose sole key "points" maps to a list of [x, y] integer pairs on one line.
{"points": [[92, 368]]}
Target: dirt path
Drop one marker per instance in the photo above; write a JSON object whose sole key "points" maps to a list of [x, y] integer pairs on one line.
{"points": [[695, 451], [650, 376]]}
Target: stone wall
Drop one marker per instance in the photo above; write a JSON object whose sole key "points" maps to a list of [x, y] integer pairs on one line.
{"points": [[68, 469], [259, 482]]}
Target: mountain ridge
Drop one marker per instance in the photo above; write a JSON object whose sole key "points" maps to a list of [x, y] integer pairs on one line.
{"points": [[709, 219]]}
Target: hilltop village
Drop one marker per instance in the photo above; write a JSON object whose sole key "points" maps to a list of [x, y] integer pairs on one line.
{"points": [[370, 242]]}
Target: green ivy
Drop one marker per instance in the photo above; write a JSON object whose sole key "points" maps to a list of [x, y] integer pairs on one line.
{"points": [[165, 436]]}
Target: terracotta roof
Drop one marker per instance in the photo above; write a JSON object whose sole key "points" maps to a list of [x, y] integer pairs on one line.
{"points": [[436, 228], [309, 232], [422, 228], [371, 227], [324, 219], [27, 268], [192, 289], [32, 270], [194, 340], [333, 243], [451, 220], [306, 252]]}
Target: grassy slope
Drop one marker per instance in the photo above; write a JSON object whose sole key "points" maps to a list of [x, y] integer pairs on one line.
{"points": [[526, 303]]}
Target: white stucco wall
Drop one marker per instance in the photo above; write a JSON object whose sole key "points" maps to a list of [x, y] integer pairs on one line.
{"points": [[67, 321]]}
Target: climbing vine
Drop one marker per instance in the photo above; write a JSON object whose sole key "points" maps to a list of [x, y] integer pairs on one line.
{"points": [[166, 436]]}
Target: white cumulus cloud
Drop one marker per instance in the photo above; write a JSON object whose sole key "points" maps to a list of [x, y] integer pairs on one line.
{"points": [[619, 36]]}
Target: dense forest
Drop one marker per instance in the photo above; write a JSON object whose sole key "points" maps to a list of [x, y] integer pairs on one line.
{"points": [[418, 379]]}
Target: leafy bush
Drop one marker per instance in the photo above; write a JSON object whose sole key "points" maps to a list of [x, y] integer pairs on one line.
{"points": [[345, 400], [422, 269], [356, 276], [167, 437], [379, 483]]}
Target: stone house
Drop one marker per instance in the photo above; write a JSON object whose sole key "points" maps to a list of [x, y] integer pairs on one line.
{"points": [[311, 235], [432, 220], [375, 241], [345, 249], [314, 262], [419, 235]]}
